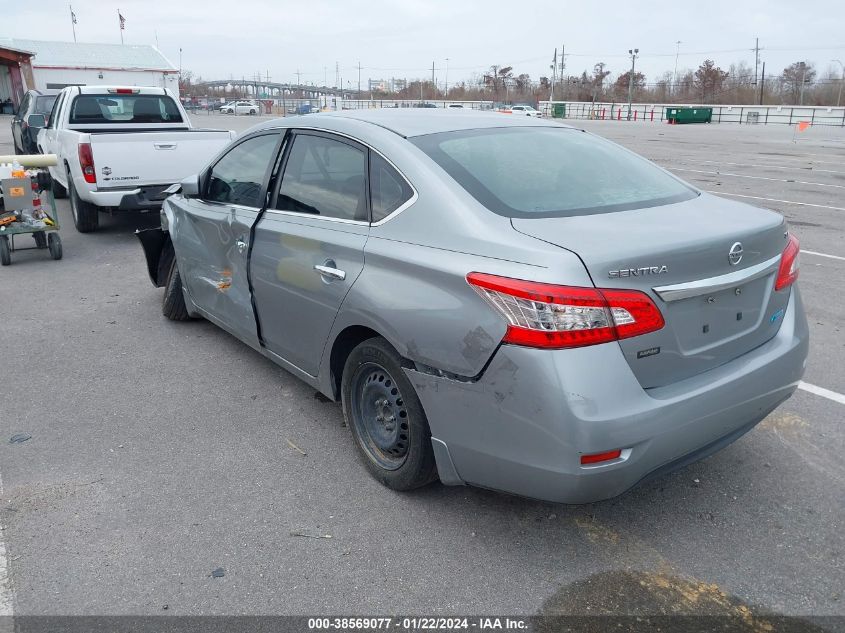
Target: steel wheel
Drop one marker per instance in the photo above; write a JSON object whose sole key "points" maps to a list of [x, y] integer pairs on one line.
{"points": [[379, 415]]}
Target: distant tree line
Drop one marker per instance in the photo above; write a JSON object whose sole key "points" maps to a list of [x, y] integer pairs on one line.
{"points": [[799, 82]]}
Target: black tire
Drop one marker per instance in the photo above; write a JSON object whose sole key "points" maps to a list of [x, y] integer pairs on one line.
{"points": [[5, 251], [387, 421], [59, 190], [173, 306], [54, 243], [86, 217], [40, 239], [252, 112]]}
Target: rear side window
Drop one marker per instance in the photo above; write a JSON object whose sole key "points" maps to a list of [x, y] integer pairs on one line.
{"points": [[550, 172], [388, 189], [123, 108], [43, 105], [238, 177], [325, 177]]}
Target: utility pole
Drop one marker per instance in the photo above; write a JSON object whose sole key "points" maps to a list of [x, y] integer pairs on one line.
{"points": [[359, 79], [756, 57], [554, 77], [337, 76], [325, 77], [841, 80], [298, 82], [562, 68], [803, 79], [433, 85], [447, 78], [675, 74], [762, 82], [633, 53]]}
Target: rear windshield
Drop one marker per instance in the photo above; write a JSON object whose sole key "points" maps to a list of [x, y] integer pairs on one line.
{"points": [[43, 105], [550, 171], [124, 108]]}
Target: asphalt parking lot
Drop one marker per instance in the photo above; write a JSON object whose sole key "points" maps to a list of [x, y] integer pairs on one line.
{"points": [[162, 451]]}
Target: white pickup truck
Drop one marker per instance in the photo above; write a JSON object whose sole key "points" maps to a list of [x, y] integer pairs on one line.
{"points": [[119, 148]]}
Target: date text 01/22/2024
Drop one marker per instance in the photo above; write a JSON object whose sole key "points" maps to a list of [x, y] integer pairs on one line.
{"points": [[417, 624]]}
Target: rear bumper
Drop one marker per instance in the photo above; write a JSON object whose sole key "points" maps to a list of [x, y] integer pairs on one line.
{"points": [[146, 198], [523, 426]]}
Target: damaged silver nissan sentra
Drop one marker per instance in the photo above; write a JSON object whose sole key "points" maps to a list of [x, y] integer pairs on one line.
{"points": [[502, 302]]}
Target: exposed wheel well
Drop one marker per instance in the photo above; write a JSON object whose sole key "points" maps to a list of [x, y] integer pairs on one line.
{"points": [[346, 341]]}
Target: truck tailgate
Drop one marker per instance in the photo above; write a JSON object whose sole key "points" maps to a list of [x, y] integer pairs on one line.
{"points": [[127, 159]]}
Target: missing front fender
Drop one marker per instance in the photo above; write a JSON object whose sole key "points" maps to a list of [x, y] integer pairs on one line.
{"points": [[159, 253]]}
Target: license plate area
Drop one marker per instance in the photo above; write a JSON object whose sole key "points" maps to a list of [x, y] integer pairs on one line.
{"points": [[717, 318]]}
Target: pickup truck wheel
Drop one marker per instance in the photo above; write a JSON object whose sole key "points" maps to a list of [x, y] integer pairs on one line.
{"points": [[252, 111], [86, 217], [5, 251], [386, 417], [173, 306]]}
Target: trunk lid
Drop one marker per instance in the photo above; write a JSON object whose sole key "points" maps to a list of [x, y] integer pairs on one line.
{"points": [[130, 159], [678, 254]]}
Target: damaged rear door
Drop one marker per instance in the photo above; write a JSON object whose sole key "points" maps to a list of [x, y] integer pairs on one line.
{"points": [[212, 233]]}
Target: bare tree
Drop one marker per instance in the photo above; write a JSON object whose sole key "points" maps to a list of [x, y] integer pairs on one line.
{"points": [[708, 79], [794, 77]]}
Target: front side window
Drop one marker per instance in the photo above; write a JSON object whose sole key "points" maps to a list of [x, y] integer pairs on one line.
{"points": [[238, 177], [325, 177], [550, 172], [124, 108], [388, 189]]}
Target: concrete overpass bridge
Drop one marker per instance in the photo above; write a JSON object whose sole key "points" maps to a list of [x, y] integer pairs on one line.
{"points": [[259, 89]]}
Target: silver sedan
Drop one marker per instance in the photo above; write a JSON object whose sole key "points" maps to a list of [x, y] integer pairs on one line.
{"points": [[504, 302]]}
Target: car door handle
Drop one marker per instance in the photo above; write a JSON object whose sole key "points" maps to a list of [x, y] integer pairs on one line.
{"points": [[328, 271], [164, 145]]}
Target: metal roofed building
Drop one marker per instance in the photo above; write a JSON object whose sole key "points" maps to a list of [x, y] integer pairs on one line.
{"points": [[56, 65]]}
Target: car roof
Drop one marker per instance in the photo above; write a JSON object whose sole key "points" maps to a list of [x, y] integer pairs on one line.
{"points": [[102, 90], [409, 122]]}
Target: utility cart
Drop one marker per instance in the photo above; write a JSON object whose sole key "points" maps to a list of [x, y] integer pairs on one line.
{"points": [[23, 181]]}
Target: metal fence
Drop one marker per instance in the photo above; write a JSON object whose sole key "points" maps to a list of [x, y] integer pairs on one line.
{"points": [[745, 114]]}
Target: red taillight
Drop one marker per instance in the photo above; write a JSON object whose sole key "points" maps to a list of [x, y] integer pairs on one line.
{"points": [[601, 457], [123, 91], [788, 270], [86, 161], [551, 316]]}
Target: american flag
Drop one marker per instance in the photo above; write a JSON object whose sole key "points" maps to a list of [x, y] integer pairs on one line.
{"points": [[122, 21]]}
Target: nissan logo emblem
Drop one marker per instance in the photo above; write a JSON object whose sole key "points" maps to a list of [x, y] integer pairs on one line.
{"points": [[735, 254]]}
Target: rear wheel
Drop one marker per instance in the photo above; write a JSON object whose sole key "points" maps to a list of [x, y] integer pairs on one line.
{"points": [[252, 111], [5, 251], [386, 418], [173, 306], [54, 243], [86, 217]]}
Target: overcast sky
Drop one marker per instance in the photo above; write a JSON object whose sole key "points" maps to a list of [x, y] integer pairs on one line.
{"points": [[401, 38]]}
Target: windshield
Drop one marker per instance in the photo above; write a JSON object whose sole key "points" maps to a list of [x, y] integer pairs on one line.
{"points": [[124, 108], [550, 171], [43, 105]]}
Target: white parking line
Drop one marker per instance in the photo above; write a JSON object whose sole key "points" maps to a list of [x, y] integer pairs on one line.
{"points": [[797, 168], [821, 391], [803, 204], [823, 255], [5, 582], [789, 180]]}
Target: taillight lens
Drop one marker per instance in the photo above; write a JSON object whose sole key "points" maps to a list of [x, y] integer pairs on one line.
{"points": [[552, 316], [788, 270], [86, 162]]}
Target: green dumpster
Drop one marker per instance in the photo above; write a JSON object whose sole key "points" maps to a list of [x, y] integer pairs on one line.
{"points": [[558, 110], [689, 115]]}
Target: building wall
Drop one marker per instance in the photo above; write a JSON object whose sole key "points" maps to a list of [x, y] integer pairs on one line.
{"points": [[60, 77]]}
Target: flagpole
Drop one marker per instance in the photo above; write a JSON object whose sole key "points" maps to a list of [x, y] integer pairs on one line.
{"points": [[120, 24], [72, 22]]}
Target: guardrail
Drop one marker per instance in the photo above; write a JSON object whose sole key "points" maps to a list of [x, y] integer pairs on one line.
{"points": [[745, 114]]}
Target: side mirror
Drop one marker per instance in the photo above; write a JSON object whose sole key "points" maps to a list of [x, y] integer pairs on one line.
{"points": [[191, 186], [36, 120]]}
